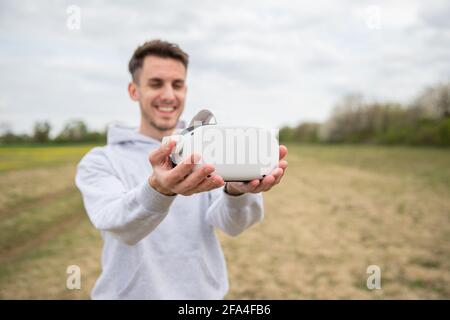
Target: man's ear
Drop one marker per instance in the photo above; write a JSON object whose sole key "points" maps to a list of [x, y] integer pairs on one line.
{"points": [[133, 91]]}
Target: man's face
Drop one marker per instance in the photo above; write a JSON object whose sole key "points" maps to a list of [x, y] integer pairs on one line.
{"points": [[161, 91]]}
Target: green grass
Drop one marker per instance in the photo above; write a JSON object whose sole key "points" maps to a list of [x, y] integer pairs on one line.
{"points": [[16, 228], [16, 158]]}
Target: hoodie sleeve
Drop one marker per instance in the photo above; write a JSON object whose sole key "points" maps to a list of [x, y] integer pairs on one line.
{"points": [[234, 214], [129, 214]]}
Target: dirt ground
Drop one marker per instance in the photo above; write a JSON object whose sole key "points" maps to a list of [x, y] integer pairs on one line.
{"points": [[339, 210]]}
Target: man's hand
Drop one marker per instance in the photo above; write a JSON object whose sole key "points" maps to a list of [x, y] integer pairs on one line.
{"points": [[256, 186], [180, 180]]}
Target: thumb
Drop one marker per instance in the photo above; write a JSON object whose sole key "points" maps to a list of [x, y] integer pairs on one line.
{"points": [[159, 155]]}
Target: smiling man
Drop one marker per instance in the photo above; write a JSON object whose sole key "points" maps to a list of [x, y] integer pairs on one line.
{"points": [[157, 221], [158, 84]]}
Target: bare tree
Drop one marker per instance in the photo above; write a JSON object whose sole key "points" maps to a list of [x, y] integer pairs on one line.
{"points": [[434, 102]]}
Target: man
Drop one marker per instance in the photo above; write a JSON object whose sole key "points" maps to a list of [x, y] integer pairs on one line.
{"points": [[157, 221]]}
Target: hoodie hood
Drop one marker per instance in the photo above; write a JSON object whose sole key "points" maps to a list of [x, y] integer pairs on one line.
{"points": [[118, 133]]}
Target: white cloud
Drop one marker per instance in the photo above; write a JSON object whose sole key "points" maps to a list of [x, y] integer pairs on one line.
{"points": [[264, 63]]}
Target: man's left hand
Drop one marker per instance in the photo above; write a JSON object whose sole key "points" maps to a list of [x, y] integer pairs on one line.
{"points": [[256, 186]]}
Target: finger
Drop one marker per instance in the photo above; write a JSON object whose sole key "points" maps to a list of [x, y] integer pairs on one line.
{"points": [[253, 185], [277, 180], [277, 173], [269, 183], [265, 183], [283, 164], [283, 151], [209, 183], [183, 169], [195, 178], [158, 156], [245, 186]]}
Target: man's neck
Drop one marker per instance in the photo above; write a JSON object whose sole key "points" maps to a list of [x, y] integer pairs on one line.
{"points": [[152, 132]]}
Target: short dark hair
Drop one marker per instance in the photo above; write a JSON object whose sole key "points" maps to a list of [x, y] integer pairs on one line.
{"points": [[157, 48]]}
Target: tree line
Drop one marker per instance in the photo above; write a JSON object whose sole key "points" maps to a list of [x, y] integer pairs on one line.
{"points": [[426, 121], [74, 131]]}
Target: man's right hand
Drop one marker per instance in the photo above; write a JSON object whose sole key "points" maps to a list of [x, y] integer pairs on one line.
{"points": [[170, 180]]}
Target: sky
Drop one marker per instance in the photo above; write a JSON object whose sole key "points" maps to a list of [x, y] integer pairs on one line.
{"points": [[257, 63]]}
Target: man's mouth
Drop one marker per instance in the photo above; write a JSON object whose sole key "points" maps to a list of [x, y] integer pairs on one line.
{"points": [[166, 109]]}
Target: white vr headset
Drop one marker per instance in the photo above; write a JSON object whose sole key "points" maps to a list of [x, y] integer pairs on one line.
{"points": [[237, 153]]}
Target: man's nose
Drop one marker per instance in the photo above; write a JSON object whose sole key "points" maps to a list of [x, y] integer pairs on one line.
{"points": [[168, 93]]}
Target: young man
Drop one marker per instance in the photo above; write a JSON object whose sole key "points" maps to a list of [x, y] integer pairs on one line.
{"points": [[157, 222]]}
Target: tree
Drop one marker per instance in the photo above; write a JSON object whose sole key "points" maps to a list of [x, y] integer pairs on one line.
{"points": [[73, 131], [306, 132], [41, 132], [285, 134], [344, 120], [434, 102]]}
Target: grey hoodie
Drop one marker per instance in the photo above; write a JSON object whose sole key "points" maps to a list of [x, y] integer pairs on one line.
{"points": [[156, 246]]}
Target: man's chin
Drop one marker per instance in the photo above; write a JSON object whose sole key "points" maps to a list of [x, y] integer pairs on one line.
{"points": [[163, 126]]}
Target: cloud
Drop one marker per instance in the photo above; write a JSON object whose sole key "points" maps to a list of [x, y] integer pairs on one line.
{"points": [[262, 63]]}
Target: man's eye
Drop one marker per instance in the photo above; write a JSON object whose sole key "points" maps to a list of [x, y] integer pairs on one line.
{"points": [[155, 85], [178, 86]]}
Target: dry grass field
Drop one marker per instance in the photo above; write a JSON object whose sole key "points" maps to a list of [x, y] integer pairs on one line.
{"points": [[338, 210]]}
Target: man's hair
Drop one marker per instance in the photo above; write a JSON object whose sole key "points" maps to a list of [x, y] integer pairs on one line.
{"points": [[157, 48]]}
